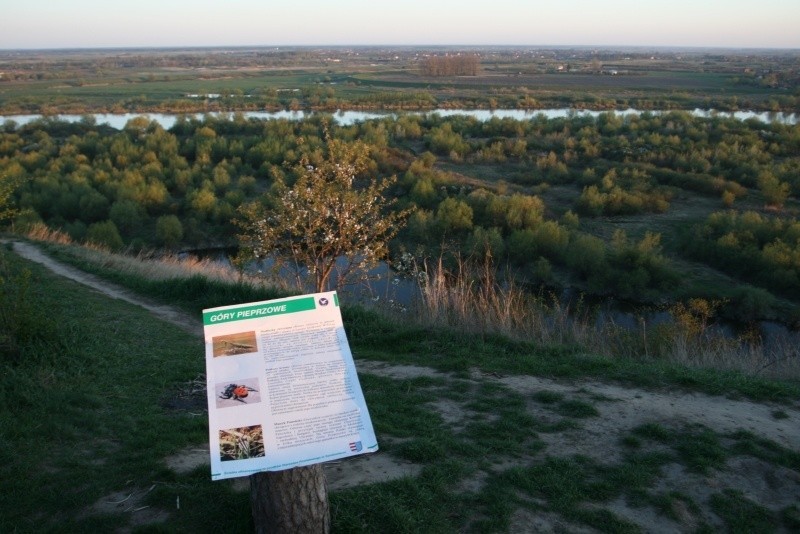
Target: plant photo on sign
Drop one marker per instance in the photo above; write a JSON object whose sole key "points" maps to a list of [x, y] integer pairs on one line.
{"points": [[241, 443]]}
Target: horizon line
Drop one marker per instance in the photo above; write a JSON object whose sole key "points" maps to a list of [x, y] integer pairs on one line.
{"points": [[388, 45]]}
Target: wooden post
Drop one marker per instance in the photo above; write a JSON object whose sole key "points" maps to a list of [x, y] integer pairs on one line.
{"points": [[294, 501]]}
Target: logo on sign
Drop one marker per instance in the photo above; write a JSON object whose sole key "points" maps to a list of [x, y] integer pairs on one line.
{"points": [[355, 446]]}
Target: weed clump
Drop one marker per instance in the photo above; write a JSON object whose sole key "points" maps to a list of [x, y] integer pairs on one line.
{"points": [[20, 321]]}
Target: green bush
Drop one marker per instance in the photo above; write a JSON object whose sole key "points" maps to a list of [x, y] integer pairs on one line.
{"points": [[169, 230], [749, 304], [105, 234]]}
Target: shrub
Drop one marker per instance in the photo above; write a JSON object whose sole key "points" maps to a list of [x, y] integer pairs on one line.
{"points": [[169, 230], [104, 234], [749, 304], [454, 215]]}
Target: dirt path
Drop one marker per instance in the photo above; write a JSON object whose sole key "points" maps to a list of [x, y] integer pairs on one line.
{"points": [[621, 409], [172, 315]]}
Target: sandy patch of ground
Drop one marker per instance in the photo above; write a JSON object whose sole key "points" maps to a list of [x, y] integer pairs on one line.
{"points": [[623, 408], [129, 502], [626, 408], [189, 459], [528, 522], [341, 474], [367, 469]]}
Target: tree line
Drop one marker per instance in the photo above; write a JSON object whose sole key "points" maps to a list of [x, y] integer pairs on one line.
{"points": [[451, 65]]}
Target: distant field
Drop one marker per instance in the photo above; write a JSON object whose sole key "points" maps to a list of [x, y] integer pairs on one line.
{"points": [[653, 80], [378, 78], [161, 85]]}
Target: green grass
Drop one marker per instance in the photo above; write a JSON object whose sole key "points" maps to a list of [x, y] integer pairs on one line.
{"points": [[701, 450], [749, 444], [424, 504], [780, 414], [741, 515], [565, 486], [576, 408], [696, 447]]}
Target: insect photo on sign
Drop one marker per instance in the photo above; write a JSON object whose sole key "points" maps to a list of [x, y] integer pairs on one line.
{"points": [[237, 393], [235, 344]]}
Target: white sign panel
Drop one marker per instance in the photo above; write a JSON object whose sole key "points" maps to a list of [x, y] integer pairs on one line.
{"points": [[282, 387]]}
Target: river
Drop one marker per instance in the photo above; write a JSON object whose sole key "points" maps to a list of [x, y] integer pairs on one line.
{"points": [[347, 118]]}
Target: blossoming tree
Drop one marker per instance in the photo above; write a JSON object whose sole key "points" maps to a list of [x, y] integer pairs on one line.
{"points": [[332, 224]]}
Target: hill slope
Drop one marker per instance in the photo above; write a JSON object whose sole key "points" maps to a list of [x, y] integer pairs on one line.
{"points": [[463, 447]]}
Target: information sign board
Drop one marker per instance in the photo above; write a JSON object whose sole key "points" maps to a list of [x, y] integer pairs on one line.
{"points": [[282, 386]]}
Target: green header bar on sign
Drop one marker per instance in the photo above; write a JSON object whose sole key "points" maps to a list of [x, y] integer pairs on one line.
{"points": [[253, 311]]}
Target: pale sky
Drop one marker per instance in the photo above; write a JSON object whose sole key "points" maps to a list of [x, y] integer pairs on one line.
{"points": [[162, 23]]}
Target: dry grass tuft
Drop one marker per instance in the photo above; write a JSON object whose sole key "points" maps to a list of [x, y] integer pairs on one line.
{"points": [[41, 232], [471, 298], [157, 266]]}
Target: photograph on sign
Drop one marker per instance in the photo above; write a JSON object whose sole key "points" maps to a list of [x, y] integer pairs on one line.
{"points": [[241, 443], [243, 391], [282, 387], [233, 344]]}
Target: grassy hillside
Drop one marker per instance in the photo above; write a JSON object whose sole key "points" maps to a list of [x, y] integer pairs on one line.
{"points": [[104, 415]]}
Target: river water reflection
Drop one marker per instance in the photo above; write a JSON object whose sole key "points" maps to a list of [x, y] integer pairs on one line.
{"points": [[347, 118]]}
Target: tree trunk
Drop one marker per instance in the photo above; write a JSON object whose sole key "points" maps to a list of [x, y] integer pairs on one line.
{"points": [[291, 501]]}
